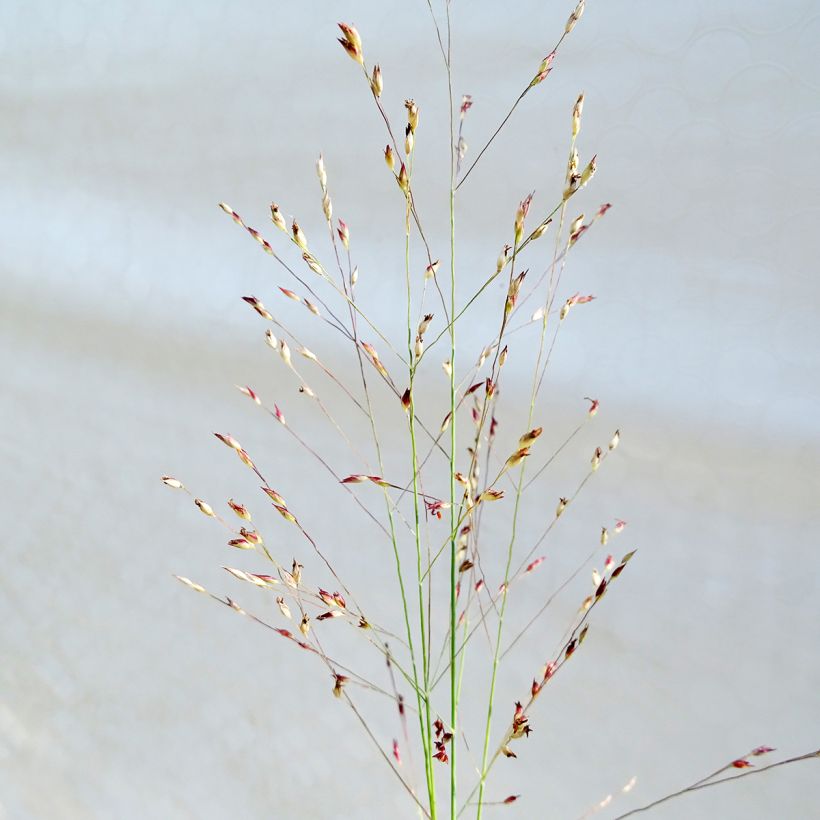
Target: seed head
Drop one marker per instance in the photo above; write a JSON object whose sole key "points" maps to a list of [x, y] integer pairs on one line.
{"points": [[283, 607], [613, 442], [562, 505], [589, 171], [258, 307], [412, 114], [528, 438], [189, 583], [240, 509], [338, 685], [574, 17], [517, 457], [250, 393], [320, 172], [577, 110], [284, 352], [296, 570], [351, 42], [403, 180], [252, 536], [503, 258], [172, 482], [286, 514], [276, 217], [408, 141], [431, 270], [564, 310], [540, 230], [389, 158], [520, 216], [205, 507], [344, 234], [376, 84], [232, 213], [543, 70], [229, 440], [298, 236], [572, 166]]}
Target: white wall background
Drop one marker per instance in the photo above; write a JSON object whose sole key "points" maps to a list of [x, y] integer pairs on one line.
{"points": [[122, 125]]}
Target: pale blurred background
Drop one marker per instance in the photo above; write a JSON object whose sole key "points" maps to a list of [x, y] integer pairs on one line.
{"points": [[122, 125]]}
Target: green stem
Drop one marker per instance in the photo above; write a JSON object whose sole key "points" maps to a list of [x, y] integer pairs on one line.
{"points": [[427, 732]]}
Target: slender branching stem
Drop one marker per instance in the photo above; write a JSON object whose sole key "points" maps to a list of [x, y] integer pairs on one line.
{"points": [[705, 785]]}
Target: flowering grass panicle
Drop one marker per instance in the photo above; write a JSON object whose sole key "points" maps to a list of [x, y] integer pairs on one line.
{"points": [[459, 475]]}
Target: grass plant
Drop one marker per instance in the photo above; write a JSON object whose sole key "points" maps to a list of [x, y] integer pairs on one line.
{"points": [[458, 473]]}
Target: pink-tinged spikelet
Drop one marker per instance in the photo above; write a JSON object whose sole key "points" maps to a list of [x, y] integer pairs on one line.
{"points": [[344, 234], [205, 507], [240, 509], [251, 394], [257, 305], [277, 218], [376, 82], [543, 69], [351, 42], [229, 440]]}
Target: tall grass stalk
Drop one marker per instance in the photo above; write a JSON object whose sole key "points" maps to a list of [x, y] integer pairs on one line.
{"points": [[429, 644]]}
